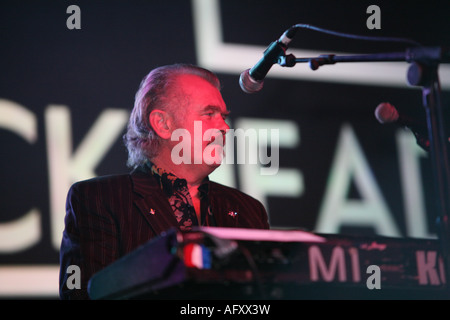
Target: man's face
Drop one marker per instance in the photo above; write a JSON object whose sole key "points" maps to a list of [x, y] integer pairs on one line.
{"points": [[203, 121]]}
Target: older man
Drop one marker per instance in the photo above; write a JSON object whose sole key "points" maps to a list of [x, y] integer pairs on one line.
{"points": [[110, 216]]}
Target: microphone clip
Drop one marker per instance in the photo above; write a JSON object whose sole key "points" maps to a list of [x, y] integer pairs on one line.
{"points": [[287, 60]]}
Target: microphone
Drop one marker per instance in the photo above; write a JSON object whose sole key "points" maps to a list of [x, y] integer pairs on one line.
{"points": [[387, 113], [252, 80]]}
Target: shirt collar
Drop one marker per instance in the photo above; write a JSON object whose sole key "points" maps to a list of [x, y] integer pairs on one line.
{"points": [[170, 183]]}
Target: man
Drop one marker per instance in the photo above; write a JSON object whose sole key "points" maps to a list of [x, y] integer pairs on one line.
{"points": [[108, 217]]}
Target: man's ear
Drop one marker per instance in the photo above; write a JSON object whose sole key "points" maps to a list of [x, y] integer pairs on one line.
{"points": [[161, 122]]}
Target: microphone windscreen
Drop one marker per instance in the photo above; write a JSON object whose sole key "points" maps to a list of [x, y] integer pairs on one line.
{"points": [[386, 113], [248, 84]]}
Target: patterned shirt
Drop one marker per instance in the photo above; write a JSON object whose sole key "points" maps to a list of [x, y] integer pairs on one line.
{"points": [[180, 200]]}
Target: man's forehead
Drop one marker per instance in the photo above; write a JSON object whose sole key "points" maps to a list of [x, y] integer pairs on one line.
{"points": [[196, 86], [188, 79]]}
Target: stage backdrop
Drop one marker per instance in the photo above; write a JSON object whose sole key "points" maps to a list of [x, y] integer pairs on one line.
{"points": [[69, 72]]}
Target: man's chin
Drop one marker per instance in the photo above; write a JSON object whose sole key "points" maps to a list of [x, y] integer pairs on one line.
{"points": [[210, 166], [214, 163]]}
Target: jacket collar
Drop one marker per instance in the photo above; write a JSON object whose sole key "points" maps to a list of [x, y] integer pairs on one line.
{"points": [[151, 201], [154, 206]]}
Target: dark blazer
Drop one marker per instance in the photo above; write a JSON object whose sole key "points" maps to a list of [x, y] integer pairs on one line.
{"points": [[110, 216]]}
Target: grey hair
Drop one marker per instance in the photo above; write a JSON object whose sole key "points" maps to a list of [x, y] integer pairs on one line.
{"points": [[156, 91]]}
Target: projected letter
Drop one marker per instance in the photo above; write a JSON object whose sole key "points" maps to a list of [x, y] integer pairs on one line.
{"points": [[66, 168], [26, 230], [409, 154], [370, 211], [286, 182]]}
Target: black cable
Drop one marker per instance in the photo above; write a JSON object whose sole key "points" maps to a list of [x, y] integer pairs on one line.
{"points": [[352, 36], [254, 269]]}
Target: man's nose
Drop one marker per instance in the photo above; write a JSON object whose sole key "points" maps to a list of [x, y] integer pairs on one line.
{"points": [[223, 126]]}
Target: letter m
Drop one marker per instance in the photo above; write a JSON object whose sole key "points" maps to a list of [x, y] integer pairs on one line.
{"points": [[318, 268]]}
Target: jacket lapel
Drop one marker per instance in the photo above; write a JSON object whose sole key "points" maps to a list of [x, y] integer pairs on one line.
{"points": [[221, 208], [153, 205], [151, 202]]}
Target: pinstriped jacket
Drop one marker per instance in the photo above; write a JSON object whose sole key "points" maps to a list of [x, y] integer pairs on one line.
{"points": [[110, 216]]}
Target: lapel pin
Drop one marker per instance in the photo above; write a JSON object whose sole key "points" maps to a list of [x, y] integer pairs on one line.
{"points": [[152, 211], [232, 214]]}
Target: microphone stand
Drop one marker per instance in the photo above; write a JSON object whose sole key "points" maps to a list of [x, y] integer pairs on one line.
{"points": [[422, 72]]}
